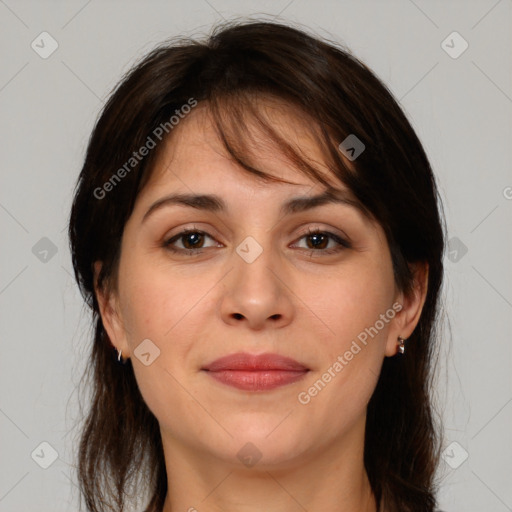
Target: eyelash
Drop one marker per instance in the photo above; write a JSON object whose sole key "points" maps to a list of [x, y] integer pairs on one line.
{"points": [[343, 244]]}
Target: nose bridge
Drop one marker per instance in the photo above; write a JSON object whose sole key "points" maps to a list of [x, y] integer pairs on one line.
{"points": [[254, 290], [253, 263]]}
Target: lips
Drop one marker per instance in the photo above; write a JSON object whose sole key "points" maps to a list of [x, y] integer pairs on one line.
{"points": [[248, 362], [256, 372]]}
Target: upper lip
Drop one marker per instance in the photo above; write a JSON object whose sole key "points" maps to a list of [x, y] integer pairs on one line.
{"points": [[250, 362]]}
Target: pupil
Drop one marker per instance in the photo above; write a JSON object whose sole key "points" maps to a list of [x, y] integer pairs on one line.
{"points": [[316, 237], [192, 235]]}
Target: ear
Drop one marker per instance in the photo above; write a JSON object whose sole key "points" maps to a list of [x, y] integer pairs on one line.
{"points": [[406, 320], [110, 316]]}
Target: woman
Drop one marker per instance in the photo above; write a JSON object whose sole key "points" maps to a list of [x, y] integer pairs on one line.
{"points": [[256, 229]]}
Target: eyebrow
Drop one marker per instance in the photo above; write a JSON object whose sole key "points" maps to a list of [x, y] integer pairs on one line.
{"points": [[215, 204]]}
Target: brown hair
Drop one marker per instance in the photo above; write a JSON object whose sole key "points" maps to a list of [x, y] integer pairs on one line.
{"points": [[337, 95]]}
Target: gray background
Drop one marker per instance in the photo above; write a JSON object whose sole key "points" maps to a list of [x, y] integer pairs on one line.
{"points": [[461, 108]]}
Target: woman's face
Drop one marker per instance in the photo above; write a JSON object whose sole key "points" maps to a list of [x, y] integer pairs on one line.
{"points": [[255, 282]]}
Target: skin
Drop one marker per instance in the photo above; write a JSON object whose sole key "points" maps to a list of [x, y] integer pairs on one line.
{"points": [[291, 300]]}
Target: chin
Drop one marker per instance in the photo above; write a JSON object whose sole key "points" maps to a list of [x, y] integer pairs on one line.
{"points": [[276, 443]]}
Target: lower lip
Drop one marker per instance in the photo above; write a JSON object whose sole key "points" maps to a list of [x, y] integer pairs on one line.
{"points": [[263, 380]]}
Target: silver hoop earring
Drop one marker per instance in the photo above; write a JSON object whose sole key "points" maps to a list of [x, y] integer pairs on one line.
{"points": [[401, 345], [119, 352]]}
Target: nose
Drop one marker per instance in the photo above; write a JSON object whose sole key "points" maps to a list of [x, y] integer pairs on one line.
{"points": [[258, 294]]}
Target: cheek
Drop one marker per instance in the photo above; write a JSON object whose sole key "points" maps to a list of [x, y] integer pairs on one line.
{"points": [[164, 306], [158, 306], [154, 308], [350, 304], [350, 300]]}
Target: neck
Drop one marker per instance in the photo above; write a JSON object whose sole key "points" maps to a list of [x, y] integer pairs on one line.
{"points": [[331, 478]]}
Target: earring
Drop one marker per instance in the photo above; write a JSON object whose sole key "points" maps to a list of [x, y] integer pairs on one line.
{"points": [[401, 345], [120, 359]]}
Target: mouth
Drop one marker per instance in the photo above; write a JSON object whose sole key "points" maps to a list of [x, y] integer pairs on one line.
{"points": [[256, 372]]}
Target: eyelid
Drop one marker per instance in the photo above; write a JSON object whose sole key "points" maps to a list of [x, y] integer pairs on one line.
{"points": [[327, 230], [169, 239]]}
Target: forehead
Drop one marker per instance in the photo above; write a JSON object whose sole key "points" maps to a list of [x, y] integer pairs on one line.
{"points": [[196, 170], [194, 153]]}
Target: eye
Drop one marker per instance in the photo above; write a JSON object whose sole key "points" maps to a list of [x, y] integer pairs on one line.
{"points": [[193, 240], [319, 239]]}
